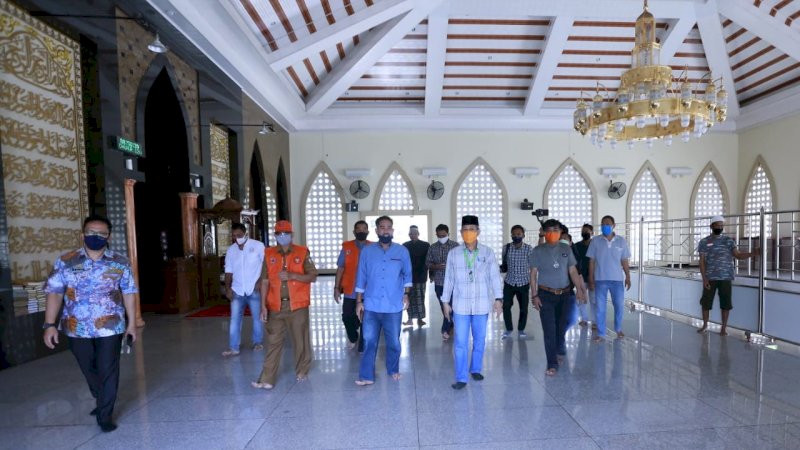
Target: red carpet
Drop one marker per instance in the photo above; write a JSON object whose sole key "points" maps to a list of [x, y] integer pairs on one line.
{"points": [[217, 311]]}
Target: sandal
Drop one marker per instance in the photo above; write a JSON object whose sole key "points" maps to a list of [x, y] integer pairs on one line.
{"points": [[265, 386], [230, 352], [551, 372], [364, 382]]}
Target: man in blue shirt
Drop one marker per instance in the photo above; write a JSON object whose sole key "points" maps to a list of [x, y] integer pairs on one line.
{"points": [[383, 283], [716, 266], [96, 288], [608, 270]]}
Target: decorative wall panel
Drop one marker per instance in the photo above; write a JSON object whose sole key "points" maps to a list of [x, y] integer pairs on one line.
{"points": [[220, 179], [41, 135]]}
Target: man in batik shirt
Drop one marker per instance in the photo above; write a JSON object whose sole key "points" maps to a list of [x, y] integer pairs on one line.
{"points": [[97, 289]]}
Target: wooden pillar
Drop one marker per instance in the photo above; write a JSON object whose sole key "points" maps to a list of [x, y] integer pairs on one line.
{"points": [[133, 256], [189, 221]]}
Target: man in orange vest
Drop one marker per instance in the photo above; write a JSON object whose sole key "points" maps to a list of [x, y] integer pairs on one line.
{"points": [[347, 267], [286, 291]]}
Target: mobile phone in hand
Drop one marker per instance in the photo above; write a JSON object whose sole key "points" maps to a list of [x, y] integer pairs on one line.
{"points": [[127, 344]]}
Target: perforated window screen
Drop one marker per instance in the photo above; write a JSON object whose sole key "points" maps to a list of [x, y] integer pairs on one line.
{"points": [[324, 221], [481, 195]]}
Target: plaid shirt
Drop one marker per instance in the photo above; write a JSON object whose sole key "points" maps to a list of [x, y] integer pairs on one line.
{"points": [[519, 271], [472, 294], [437, 254]]}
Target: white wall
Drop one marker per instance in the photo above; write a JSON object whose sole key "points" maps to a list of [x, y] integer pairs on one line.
{"points": [[503, 151], [778, 143]]}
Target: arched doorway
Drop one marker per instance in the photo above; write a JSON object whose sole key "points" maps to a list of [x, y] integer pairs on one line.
{"points": [[282, 191], [257, 194], [158, 207]]}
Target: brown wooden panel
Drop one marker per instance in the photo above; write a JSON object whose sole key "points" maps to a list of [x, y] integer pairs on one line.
{"points": [[778, 7], [408, 50], [689, 55], [770, 77], [601, 39], [306, 16], [745, 46], [400, 64], [775, 88], [311, 71], [605, 24], [735, 35], [767, 64], [726, 23], [325, 61], [416, 36], [692, 41], [297, 82], [489, 64], [596, 52], [391, 76], [530, 22], [519, 51], [467, 87], [791, 18], [276, 6], [498, 37], [262, 27], [380, 99], [481, 99], [386, 88], [489, 76], [755, 55], [594, 66]]}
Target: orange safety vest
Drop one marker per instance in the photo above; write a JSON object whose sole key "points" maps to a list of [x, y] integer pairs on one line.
{"points": [[351, 252], [299, 292]]}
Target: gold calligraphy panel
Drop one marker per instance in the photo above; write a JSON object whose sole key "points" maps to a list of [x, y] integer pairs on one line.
{"points": [[41, 134], [220, 179]]}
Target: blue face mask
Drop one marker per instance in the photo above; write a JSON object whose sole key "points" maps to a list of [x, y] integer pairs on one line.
{"points": [[95, 242], [284, 239], [607, 229], [385, 239]]}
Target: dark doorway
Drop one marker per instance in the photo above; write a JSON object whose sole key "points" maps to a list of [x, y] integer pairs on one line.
{"points": [[257, 194], [282, 197], [158, 206]]}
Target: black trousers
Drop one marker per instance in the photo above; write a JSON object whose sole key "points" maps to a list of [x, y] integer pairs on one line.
{"points": [[521, 292], [554, 324], [98, 359], [351, 322]]}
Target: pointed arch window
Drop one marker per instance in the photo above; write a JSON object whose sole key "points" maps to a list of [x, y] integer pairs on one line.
{"points": [[708, 200], [570, 199], [647, 202], [759, 195], [396, 193], [324, 219], [480, 194]]}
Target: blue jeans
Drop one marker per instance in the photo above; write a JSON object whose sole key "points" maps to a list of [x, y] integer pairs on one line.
{"points": [[617, 289], [370, 332], [237, 311], [554, 324], [463, 324], [447, 322]]}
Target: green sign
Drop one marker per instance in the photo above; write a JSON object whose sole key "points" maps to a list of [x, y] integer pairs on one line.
{"points": [[127, 146]]}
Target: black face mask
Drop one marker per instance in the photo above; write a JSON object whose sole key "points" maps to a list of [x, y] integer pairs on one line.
{"points": [[716, 231], [586, 236], [361, 236]]}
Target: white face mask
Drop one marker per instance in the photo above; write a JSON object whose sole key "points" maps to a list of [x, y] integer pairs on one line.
{"points": [[241, 240], [444, 240]]}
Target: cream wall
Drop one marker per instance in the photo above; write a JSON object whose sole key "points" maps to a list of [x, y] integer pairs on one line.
{"points": [[503, 151], [273, 147], [777, 144]]}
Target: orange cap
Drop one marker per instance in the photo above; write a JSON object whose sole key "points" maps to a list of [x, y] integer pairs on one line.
{"points": [[283, 226]]}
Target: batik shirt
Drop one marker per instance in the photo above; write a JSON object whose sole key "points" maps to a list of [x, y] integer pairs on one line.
{"points": [[718, 251], [92, 290]]}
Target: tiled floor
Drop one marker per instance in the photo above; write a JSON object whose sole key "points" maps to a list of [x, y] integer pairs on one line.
{"points": [[663, 386]]}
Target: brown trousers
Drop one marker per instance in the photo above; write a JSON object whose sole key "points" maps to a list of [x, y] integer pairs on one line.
{"points": [[297, 324]]}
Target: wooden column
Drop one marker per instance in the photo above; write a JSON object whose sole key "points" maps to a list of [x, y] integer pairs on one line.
{"points": [[130, 229], [189, 221]]}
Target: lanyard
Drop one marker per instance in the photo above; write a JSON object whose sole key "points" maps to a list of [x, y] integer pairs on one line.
{"points": [[469, 260]]}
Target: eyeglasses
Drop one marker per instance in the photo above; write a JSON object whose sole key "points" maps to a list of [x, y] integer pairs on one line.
{"points": [[95, 233]]}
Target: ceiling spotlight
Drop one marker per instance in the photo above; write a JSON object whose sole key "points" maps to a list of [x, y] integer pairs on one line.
{"points": [[156, 46], [266, 128]]}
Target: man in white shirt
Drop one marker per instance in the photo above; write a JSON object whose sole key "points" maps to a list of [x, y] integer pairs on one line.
{"points": [[244, 261], [473, 286]]}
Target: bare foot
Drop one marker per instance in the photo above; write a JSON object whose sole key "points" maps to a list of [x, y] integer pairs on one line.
{"points": [[723, 332], [445, 336], [408, 322], [597, 338], [396, 376], [551, 372], [364, 382], [702, 329], [265, 386]]}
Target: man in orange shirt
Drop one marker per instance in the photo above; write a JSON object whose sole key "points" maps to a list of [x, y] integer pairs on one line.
{"points": [[286, 292], [345, 284]]}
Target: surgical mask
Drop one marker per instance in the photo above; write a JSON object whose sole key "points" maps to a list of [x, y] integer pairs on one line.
{"points": [[607, 229], [361, 236], [517, 239], [564, 241], [284, 239], [443, 240], [716, 231], [95, 242], [241, 240], [551, 237], [469, 236], [385, 239], [586, 236]]}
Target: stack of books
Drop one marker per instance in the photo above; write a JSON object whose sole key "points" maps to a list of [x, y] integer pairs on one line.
{"points": [[20, 300], [37, 299]]}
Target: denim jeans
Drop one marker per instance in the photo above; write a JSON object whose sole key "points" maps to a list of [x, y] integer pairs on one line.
{"points": [[237, 311], [521, 293], [585, 310], [554, 324], [617, 289], [447, 322], [463, 325], [370, 332]]}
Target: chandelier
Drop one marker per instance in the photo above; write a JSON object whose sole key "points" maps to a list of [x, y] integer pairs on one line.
{"points": [[649, 105]]}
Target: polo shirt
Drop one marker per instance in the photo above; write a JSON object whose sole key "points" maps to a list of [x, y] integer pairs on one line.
{"points": [[245, 265], [552, 263], [608, 256]]}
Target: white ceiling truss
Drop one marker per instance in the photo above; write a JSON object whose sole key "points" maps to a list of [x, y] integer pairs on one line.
{"points": [[483, 64]]}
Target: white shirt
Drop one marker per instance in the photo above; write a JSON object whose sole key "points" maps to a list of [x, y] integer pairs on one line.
{"points": [[472, 294], [245, 265]]}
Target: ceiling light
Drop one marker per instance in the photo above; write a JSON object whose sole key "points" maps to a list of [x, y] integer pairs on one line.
{"points": [[648, 105], [156, 46]]}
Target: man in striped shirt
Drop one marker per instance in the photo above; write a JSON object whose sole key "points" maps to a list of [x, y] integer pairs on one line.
{"points": [[472, 288], [436, 262]]}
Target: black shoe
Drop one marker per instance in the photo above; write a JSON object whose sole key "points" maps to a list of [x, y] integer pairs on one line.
{"points": [[107, 427], [458, 385], [93, 412], [477, 377]]}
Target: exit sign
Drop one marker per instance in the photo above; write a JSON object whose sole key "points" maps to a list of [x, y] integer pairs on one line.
{"points": [[127, 146]]}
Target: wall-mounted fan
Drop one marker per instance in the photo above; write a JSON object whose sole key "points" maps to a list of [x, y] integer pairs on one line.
{"points": [[359, 189], [617, 190], [435, 190]]}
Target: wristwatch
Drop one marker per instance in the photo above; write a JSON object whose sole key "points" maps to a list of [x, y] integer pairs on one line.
{"points": [[47, 325]]}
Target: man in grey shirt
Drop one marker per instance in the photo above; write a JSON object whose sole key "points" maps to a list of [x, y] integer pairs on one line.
{"points": [[609, 271], [552, 267]]}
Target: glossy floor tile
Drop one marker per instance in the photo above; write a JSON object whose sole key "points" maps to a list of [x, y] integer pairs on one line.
{"points": [[662, 386]]}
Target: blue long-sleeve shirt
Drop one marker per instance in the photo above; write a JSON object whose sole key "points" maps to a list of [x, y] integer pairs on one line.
{"points": [[382, 277]]}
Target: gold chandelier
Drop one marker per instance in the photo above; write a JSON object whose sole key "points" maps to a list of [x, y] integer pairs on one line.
{"points": [[648, 104]]}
